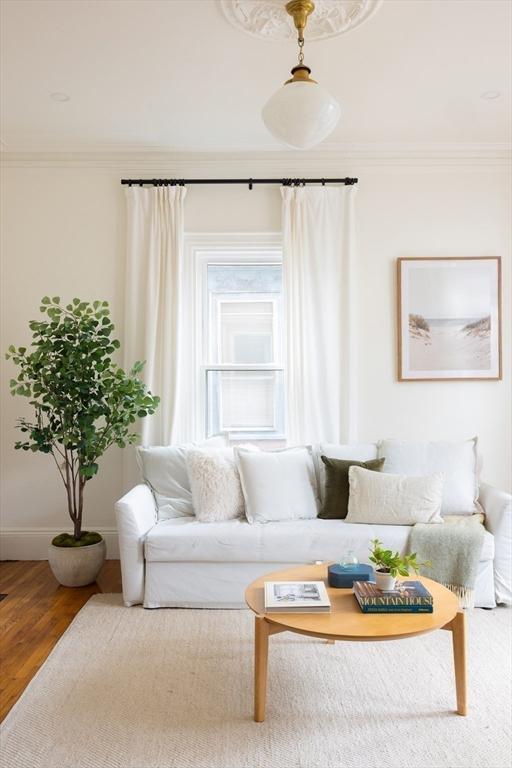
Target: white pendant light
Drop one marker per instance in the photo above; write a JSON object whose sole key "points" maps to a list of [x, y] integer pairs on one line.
{"points": [[301, 113]]}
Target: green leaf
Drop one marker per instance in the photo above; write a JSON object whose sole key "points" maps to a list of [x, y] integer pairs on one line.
{"points": [[138, 366], [89, 471]]}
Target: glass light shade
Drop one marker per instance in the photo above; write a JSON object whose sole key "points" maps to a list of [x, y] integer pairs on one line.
{"points": [[301, 114]]}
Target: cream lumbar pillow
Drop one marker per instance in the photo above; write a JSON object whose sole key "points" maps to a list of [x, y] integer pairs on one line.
{"points": [[215, 483], [384, 499], [278, 485]]}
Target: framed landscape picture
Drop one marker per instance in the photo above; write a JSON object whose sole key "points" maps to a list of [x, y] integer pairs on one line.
{"points": [[449, 318]]}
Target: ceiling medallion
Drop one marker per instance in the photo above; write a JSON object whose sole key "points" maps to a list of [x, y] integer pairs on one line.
{"points": [[269, 20]]}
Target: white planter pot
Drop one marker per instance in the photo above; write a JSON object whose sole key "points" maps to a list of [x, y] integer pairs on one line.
{"points": [[77, 566], [385, 582]]}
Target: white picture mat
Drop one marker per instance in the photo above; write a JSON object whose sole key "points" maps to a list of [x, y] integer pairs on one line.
{"points": [[461, 286]]}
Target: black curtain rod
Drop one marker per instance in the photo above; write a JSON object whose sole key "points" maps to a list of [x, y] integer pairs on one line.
{"points": [[249, 182]]}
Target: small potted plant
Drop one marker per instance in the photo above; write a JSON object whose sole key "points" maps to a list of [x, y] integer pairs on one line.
{"points": [[83, 403], [389, 565]]}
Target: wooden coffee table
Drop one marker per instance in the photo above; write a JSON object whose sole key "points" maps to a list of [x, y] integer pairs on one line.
{"points": [[347, 622]]}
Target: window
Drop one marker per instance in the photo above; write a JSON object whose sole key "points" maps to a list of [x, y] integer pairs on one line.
{"points": [[241, 370]]}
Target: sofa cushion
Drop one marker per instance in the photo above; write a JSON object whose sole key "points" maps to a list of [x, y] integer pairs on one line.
{"points": [[337, 488], [163, 468], [456, 460], [278, 485], [215, 484], [346, 451], [299, 541], [378, 497]]}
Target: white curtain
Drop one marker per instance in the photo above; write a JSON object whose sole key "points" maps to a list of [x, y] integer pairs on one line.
{"points": [[153, 301], [320, 300]]}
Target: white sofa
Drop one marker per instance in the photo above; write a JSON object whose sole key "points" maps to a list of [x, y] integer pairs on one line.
{"points": [[182, 562]]}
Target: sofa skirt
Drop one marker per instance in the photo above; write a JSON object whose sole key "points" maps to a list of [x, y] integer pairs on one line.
{"points": [[222, 585]]}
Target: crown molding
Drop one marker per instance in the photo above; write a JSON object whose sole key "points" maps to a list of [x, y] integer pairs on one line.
{"points": [[159, 160]]}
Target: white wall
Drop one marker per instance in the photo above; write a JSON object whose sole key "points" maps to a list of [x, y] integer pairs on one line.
{"points": [[63, 233]]}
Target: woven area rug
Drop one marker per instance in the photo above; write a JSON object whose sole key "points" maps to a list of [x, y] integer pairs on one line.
{"points": [[129, 688]]}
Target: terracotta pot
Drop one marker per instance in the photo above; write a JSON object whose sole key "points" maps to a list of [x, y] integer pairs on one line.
{"points": [[77, 566], [385, 581]]}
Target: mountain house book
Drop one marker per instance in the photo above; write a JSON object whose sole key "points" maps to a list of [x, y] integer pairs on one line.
{"points": [[296, 597], [408, 597]]}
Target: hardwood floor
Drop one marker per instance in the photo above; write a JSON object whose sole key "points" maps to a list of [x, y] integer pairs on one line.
{"points": [[33, 616]]}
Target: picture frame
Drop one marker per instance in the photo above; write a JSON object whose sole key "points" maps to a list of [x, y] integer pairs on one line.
{"points": [[449, 318]]}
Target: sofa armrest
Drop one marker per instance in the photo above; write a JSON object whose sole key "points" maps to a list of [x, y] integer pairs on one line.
{"points": [[135, 515], [497, 506]]}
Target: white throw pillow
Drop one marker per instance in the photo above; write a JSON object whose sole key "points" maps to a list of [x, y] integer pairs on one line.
{"points": [[278, 485], [383, 499], [215, 484], [348, 452], [164, 469], [456, 460]]}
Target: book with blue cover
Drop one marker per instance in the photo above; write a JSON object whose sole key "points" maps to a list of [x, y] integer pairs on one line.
{"points": [[407, 597]]}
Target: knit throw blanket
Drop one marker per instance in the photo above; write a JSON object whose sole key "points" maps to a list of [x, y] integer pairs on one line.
{"points": [[454, 551]]}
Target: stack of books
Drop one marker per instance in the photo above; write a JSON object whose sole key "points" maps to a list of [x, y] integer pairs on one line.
{"points": [[296, 597], [408, 597]]}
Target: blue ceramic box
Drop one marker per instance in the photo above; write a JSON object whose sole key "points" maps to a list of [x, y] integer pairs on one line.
{"points": [[343, 576]]}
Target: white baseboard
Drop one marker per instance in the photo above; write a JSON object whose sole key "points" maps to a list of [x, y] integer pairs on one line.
{"points": [[32, 543]]}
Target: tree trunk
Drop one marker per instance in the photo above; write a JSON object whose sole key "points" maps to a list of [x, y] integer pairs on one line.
{"points": [[69, 483], [77, 519], [78, 523]]}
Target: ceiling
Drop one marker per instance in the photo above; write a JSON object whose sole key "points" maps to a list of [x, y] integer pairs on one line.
{"points": [[176, 75]]}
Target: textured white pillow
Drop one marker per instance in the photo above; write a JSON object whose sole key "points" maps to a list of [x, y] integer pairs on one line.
{"points": [[164, 469], [215, 484], [456, 460], [383, 499], [278, 485]]}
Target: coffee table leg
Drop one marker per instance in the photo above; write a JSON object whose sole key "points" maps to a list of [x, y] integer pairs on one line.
{"points": [[260, 667], [458, 628]]}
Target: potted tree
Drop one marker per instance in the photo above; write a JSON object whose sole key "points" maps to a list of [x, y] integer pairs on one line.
{"points": [[83, 403], [389, 565]]}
